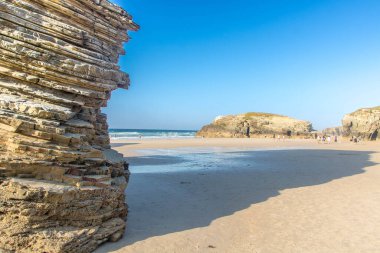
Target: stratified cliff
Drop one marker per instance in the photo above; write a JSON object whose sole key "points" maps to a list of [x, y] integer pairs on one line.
{"points": [[255, 124], [364, 123], [61, 186]]}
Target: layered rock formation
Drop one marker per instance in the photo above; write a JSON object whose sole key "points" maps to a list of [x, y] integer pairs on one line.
{"points": [[61, 186], [256, 125], [363, 123], [333, 131]]}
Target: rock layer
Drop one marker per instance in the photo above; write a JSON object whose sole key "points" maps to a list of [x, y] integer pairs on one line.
{"points": [[333, 131], [363, 123], [255, 124], [61, 186]]}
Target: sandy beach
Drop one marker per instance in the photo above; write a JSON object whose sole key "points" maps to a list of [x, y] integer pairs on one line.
{"points": [[251, 195], [189, 126]]}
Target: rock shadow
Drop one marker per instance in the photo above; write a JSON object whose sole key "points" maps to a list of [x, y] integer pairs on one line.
{"points": [[121, 144]]}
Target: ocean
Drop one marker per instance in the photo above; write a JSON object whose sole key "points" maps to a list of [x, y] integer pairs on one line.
{"points": [[150, 134]]}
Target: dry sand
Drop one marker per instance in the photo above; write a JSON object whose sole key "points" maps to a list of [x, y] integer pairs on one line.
{"points": [[302, 197]]}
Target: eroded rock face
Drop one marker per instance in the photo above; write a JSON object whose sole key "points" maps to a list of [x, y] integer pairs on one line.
{"points": [[255, 125], [61, 186], [364, 123], [333, 131]]}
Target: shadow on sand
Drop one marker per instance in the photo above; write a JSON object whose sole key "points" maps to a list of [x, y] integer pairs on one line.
{"points": [[163, 203], [117, 145]]}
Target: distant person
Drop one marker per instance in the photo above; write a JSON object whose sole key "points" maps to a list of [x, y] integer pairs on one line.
{"points": [[283, 138], [140, 136], [336, 138], [328, 140], [278, 137]]}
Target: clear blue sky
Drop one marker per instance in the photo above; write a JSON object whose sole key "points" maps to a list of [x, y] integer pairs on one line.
{"points": [[193, 60]]}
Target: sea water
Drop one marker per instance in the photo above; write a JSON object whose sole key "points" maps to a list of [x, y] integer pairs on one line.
{"points": [[150, 134]]}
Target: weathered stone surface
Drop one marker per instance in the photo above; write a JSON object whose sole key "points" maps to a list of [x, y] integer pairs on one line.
{"points": [[53, 217], [363, 123], [61, 186], [333, 131], [256, 125]]}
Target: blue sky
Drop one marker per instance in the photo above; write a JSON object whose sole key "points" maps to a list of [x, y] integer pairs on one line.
{"points": [[193, 60]]}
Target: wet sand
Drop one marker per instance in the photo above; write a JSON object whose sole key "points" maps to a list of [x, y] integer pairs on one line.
{"points": [[243, 195]]}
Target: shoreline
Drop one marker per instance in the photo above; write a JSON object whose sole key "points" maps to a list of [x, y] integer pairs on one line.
{"points": [[131, 147]]}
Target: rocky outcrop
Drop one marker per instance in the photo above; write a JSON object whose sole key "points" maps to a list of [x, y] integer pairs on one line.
{"points": [[61, 186], [333, 131], [256, 125], [363, 123]]}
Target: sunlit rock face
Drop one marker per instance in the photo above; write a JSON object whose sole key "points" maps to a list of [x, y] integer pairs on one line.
{"points": [[333, 131], [61, 186], [363, 123], [256, 125]]}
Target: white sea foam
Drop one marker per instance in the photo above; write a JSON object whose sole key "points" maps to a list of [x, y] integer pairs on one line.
{"points": [[150, 134]]}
